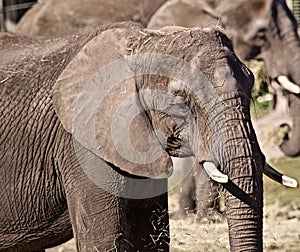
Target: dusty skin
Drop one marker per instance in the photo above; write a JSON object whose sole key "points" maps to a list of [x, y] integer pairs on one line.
{"points": [[281, 212]]}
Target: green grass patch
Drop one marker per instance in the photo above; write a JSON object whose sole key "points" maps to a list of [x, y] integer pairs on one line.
{"points": [[274, 192], [260, 109]]}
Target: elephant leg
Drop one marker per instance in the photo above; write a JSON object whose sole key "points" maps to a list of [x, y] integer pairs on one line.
{"points": [[206, 194], [207, 200], [121, 224], [186, 199], [103, 214], [94, 216], [147, 224]]}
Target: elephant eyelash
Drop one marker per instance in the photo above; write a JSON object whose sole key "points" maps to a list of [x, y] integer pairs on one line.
{"points": [[179, 98]]}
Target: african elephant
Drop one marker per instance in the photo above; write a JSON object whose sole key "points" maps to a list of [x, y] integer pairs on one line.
{"points": [[253, 25], [262, 29], [88, 125]]}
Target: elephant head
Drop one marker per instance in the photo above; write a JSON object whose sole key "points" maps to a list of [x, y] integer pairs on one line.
{"points": [[262, 29], [136, 97]]}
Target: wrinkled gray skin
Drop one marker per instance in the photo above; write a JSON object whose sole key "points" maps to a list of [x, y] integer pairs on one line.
{"points": [[45, 195], [262, 29]]}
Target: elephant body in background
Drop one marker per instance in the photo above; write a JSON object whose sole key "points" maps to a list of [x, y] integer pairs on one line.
{"points": [[66, 165], [53, 18]]}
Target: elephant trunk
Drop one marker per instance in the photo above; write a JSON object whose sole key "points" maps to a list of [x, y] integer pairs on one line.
{"points": [[239, 156], [243, 200], [291, 42], [291, 144], [244, 224], [243, 196], [290, 47]]}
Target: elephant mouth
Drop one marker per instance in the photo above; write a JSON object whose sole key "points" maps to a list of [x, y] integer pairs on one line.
{"points": [[177, 147], [177, 142]]}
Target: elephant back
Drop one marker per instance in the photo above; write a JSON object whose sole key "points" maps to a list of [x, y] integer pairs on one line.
{"points": [[53, 18]]}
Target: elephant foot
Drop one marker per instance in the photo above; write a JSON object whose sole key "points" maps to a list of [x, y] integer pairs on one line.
{"points": [[210, 216], [182, 214]]}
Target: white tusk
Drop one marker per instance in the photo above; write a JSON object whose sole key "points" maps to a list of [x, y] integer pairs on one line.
{"points": [[288, 85], [289, 182], [214, 173], [278, 177]]}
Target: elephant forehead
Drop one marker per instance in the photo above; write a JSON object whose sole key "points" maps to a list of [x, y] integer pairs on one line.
{"points": [[180, 42]]}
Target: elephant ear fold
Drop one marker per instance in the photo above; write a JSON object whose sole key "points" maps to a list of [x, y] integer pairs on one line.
{"points": [[96, 100]]}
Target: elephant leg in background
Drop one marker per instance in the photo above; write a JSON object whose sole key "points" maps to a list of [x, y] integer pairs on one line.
{"points": [[197, 194], [102, 220], [187, 197], [207, 196]]}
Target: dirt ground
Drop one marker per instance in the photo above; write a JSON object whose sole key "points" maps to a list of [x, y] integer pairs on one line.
{"points": [[281, 211]]}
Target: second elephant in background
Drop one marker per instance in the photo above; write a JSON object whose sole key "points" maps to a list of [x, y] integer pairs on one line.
{"points": [[197, 195]]}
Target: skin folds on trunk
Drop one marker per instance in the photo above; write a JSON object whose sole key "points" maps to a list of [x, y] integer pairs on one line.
{"points": [[239, 155]]}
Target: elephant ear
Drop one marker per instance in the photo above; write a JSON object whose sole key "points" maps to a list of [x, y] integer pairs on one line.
{"points": [[96, 100]]}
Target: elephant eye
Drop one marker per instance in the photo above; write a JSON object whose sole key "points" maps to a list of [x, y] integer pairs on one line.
{"points": [[180, 102]]}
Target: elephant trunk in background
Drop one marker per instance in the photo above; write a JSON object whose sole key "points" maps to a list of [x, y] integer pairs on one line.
{"points": [[291, 144], [286, 45]]}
